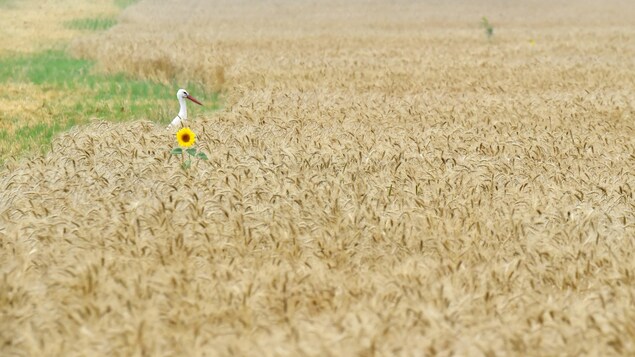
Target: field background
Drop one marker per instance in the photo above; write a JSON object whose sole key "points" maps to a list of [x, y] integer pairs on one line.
{"points": [[383, 180]]}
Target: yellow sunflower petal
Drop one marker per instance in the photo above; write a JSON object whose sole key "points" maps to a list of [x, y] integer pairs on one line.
{"points": [[186, 137]]}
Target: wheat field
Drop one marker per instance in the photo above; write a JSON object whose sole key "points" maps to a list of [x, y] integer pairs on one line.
{"points": [[383, 179]]}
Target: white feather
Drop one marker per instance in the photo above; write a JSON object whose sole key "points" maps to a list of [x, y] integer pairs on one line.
{"points": [[182, 116]]}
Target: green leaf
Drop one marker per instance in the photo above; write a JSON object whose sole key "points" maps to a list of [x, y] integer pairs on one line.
{"points": [[191, 151], [202, 156], [176, 151], [186, 165]]}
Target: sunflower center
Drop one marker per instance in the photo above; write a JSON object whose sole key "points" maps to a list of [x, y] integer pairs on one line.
{"points": [[185, 138]]}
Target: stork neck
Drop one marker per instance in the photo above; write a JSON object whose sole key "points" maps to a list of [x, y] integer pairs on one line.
{"points": [[183, 109]]}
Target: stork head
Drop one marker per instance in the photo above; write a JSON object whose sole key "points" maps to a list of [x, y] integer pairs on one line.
{"points": [[182, 94]]}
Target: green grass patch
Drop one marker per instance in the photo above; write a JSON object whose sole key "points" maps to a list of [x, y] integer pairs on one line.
{"points": [[86, 95], [92, 24], [124, 3], [34, 136], [6, 3]]}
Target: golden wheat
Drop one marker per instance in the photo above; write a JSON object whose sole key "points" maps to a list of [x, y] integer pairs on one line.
{"points": [[31, 25], [382, 181]]}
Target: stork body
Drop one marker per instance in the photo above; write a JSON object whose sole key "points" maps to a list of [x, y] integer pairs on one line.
{"points": [[181, 95]]}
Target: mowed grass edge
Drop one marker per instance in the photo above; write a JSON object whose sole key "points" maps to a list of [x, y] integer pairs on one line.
{"points": [[49, 91], [74, 93]]}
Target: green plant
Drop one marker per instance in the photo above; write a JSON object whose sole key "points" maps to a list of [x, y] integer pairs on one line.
{"points": [[489, 29]]}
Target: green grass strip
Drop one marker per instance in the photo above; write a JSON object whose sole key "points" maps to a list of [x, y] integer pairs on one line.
{"points": [[6, 3], [88, 95], [92, 24], [124, 3]]}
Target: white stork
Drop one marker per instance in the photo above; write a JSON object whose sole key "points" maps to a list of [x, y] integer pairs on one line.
{"points": [[182, 116]]}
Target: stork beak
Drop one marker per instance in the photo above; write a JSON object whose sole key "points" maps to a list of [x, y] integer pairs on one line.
{"points": [[193, 99]]}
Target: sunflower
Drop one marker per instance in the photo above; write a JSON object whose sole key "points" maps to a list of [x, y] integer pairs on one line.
{"points": [[186, 137]]}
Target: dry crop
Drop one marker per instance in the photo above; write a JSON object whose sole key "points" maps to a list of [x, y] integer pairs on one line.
{"points": [[29, 25], [383, 180]]}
